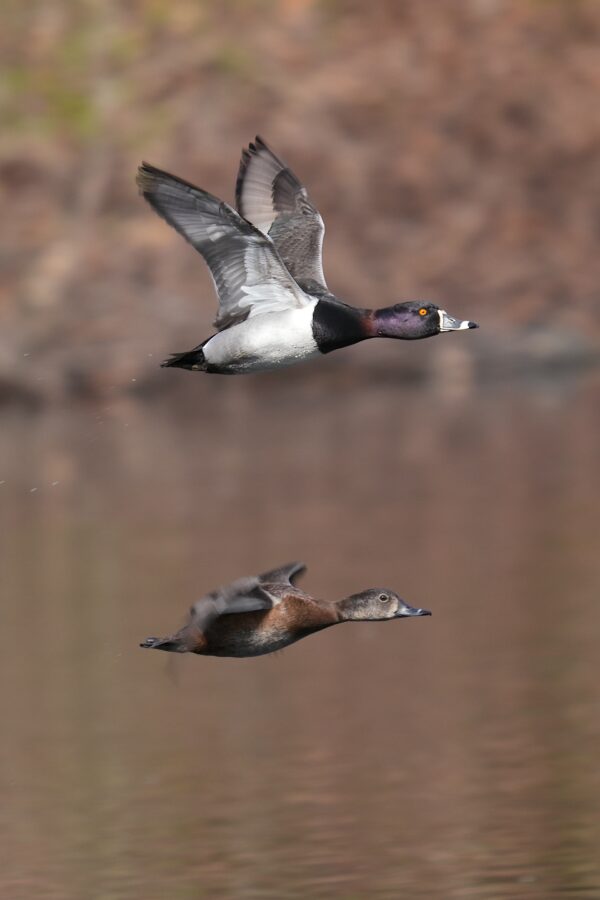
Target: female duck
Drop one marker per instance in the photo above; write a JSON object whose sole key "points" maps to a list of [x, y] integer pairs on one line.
{"points": [[258, 615], [274, 305]]}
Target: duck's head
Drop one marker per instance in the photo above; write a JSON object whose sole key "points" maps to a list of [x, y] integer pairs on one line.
{"points": [[414, 320], [376, 604]]}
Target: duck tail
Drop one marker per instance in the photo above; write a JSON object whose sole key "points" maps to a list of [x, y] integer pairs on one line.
{"points": [[192, 359], [172, 644]]}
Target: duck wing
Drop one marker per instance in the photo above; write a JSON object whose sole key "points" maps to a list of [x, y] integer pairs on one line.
{"points": [[249, 276], [246, 594], [270, 196], [283, 574]]}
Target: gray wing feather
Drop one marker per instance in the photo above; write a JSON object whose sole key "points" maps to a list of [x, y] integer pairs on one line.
{"points": [[224, 602], [245, 594], [285, 574], [270, 196], [249, 276]]}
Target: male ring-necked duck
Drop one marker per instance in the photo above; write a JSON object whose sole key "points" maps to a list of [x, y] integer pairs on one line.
{"points": [[274, 305], [260, 614]]}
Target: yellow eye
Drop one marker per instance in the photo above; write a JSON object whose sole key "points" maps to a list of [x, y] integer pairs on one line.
{"points": [[423, 311]]}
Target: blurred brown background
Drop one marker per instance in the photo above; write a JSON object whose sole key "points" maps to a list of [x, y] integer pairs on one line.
{"points": [[453, 150], [451, 147]]}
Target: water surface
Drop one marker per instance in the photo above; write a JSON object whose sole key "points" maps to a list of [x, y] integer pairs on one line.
{"points": [[450, 757]]}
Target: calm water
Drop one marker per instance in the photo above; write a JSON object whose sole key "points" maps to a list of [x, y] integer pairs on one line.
{"points": [[450, 757]]}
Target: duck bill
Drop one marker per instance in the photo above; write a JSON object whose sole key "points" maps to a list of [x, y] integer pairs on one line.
{"points": [[449, 323], [412, 611]]}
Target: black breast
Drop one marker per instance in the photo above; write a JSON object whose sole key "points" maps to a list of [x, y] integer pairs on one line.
{"points": [[337, 325]]}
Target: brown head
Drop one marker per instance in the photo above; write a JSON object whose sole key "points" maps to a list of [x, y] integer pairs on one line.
{"points": [[376, 604]]}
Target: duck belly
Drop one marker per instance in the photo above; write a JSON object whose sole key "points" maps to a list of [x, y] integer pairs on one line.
{"points": [[239, 641], [263, 342]]}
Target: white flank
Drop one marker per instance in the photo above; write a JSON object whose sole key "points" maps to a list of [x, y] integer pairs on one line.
{"points": [[264, 341]]}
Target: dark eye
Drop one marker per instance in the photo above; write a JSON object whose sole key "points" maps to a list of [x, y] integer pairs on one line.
{"points": [[423, 311], [384, 598]]}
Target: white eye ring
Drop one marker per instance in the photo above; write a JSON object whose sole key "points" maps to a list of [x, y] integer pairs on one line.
{"points": [[384, 598]]}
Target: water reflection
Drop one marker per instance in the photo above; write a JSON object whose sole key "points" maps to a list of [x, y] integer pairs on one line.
{"points": [[450, 757]]}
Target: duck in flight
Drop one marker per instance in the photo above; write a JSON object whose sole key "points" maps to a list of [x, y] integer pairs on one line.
{"points": [[265, 259], [261, 614]]}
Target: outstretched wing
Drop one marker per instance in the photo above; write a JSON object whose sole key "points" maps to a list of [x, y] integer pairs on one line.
{"points": [[270, 196], [245, 594], [229, 600], [249, 276], [283, 574]]}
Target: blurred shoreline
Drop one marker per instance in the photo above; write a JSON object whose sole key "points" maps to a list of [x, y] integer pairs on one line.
{"points": [[545, 354], [452, 150], [450, 155]]}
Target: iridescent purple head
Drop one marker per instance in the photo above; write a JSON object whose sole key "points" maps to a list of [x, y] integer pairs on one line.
{"points": [[414, 320]]}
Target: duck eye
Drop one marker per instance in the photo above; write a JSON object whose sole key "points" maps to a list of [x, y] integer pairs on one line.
{"points": [[384, 598], [423, 311]]}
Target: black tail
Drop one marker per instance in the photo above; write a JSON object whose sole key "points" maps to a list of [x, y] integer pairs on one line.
{"points": [[172, 644], [193, 360]]}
